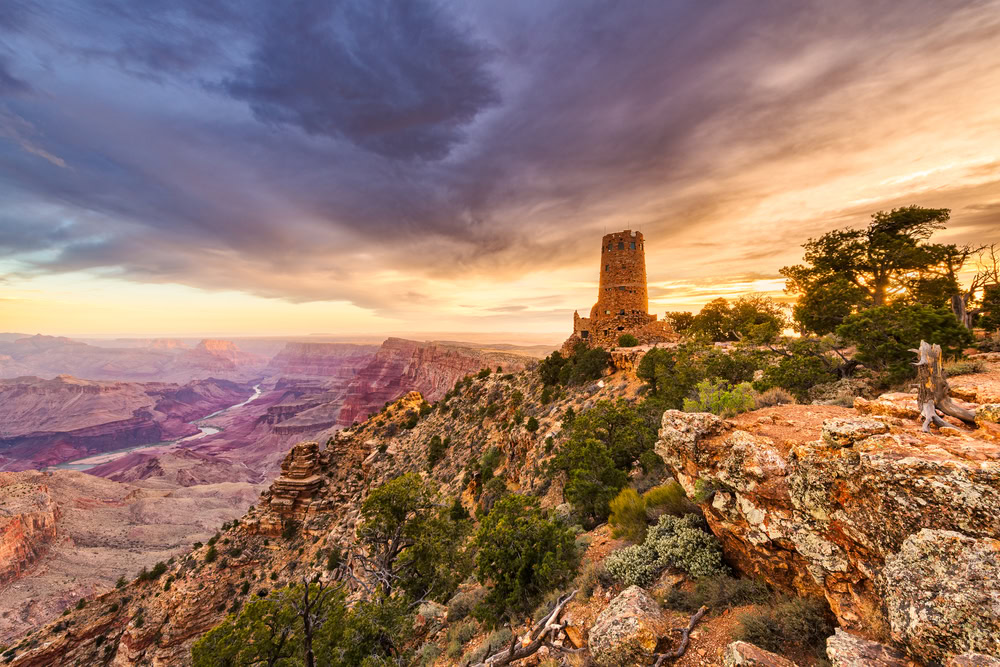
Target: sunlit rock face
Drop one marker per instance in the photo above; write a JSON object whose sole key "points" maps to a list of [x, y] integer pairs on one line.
{"points": [[818, 499]]}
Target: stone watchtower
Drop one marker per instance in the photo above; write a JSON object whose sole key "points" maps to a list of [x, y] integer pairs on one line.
{"points": [[622, 299], [622, 293]]}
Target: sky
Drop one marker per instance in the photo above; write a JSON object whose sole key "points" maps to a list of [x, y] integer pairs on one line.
{"points": [[250, 167]]}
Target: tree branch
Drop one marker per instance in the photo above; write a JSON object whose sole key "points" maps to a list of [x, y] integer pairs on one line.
{"points": [[685, 639]]}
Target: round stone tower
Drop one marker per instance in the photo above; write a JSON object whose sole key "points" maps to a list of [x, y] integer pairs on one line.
{"points": [[622, 293]]}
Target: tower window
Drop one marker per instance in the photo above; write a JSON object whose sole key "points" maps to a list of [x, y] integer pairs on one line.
{"points": [[621, 312], [621, 245], [607, 266], [633, 245]]}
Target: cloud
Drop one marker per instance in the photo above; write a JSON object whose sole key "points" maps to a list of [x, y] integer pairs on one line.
{"points": [[395, 155], [10, 84], [398, 79]]}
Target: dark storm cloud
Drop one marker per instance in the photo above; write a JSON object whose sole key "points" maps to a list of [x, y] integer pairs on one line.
{"points": [[10, 84], [396, 78], [294, 149]]}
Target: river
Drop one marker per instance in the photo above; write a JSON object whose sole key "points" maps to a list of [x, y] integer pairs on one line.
{"points": [[88, 462]]}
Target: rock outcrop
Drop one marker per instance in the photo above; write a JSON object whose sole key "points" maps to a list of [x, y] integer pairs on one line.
{"points": [[628, 630], [847, 650], [27, 525], [327, 360], [817, 500], [942, 591], [742, 654], [402, 365]]}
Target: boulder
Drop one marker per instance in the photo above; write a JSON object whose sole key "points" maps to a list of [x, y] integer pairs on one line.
{"points": [[814, 499], [847, 650], [942, 592], [742, 654], [627, 631], [848, 432]]}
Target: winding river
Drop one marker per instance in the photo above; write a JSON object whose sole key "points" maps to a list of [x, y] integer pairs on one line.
{"points": [[88, 462]]}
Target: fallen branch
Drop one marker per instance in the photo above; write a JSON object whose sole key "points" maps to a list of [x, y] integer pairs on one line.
{"points": [[932, 389], [685, 639], [540, 637]]}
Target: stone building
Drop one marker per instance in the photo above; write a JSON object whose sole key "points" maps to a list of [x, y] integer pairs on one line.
{"points": [[622, 300]]}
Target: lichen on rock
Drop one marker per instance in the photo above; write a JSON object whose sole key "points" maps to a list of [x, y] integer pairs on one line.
{"points": [[942, 592]]}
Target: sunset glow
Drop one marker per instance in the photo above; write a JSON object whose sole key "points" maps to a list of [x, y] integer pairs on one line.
{"points": [[161, 174]]}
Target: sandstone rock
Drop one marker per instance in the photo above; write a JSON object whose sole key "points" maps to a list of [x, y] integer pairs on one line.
{"points": [[742, 654], [680, 432], [902, 406], [989, 413], [820, 520], [627, 631], [847, 650], [942, 591], [848, 432]]}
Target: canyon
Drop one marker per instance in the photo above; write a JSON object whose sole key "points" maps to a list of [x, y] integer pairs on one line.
{"points": [[135, 471], [47, 422]]}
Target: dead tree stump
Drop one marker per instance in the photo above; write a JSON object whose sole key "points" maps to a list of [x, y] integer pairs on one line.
{"points": [[932, 389]]}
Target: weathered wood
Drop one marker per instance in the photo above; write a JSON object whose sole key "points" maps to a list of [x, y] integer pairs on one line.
{"points": [[932, 389], [685, 639], [540, 637]]}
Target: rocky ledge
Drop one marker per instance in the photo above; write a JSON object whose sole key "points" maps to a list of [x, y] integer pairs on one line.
{"points": [[896, 528]]}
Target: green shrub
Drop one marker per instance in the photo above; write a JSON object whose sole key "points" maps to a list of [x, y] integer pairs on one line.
{"points": [[967, 367], [805, 368], [81, 604], [488, 463], [668, 498], [483, 373], [462, 604], [522, 555], [532, 424], [121, 582], [682, 543], [628, 515], [411, 421], [627, 340], [885, 335], [774, 396], [591, 576], [719, 399], [791, 623], [674, 541], [435, 450], [634, 565], [211, 554], [717, 593], [429, 652]]}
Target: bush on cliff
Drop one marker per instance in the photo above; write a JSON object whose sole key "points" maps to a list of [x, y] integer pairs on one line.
{"points": [[628, 515], [412, 541], [791, 623], [583, 365], [885, 335], [271, 631], [674, 541], [521, 556], [627, 340], [721, 399]]}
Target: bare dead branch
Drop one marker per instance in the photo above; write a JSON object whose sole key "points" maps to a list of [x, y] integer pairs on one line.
{"points": [[685, 639]]}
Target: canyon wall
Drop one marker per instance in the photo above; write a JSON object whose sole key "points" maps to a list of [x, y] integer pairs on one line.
{"points": [[46, 422], [27, 526]]}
